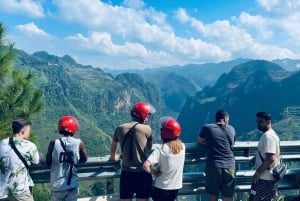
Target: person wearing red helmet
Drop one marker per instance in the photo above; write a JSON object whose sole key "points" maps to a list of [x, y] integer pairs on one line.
{"points": [[63, 156], [135, 139], [166, 162]]}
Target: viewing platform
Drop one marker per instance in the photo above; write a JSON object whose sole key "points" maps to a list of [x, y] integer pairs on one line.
{"points": [[194, 176]]}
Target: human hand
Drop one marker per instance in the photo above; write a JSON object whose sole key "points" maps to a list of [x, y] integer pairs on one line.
{"points": [[252, 162], [156, 173], [114, 157], [255, 177], [42, 159]]}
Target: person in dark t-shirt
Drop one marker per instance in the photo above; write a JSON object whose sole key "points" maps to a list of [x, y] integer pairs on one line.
{"points": [[219, 139]]}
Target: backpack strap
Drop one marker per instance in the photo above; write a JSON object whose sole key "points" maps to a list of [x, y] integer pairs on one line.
{"points": [[138, 146], [127, 135], [71, 164], [13, 146], [141, 152], [62, 144]]}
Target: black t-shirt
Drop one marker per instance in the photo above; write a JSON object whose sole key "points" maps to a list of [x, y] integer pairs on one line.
{"points": [[219, 141]]}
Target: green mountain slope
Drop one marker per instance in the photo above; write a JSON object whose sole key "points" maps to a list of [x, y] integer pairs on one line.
{"points": [[247, 89], [177, 83], [98, 100]]}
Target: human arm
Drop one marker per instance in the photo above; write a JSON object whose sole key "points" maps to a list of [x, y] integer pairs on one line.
{"points": [[35, 158], [267, 147], [151, 165], [147, 166], [202, 136], [49, 153], [201, 140], [113, 151], [82, 153], [270, 158]]}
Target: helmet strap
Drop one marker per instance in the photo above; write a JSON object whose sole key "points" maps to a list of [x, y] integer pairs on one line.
{"points": [[137, 119]]}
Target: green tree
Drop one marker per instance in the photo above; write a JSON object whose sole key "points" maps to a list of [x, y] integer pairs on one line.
{"points": [[18, 97]]}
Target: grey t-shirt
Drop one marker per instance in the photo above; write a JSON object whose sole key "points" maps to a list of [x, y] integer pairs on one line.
{"points": [[219, 140]]}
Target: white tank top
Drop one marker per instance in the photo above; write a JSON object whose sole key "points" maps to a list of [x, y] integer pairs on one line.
{"points": [[60, 169]]}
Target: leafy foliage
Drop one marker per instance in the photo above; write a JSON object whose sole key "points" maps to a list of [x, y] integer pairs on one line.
{"points": [[42, 192], [18, 97]]}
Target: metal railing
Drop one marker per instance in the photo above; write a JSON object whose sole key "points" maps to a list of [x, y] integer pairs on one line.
{"points": [[194, 176]]}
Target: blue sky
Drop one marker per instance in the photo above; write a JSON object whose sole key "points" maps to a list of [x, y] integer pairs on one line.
{"points": [[136, 34]]}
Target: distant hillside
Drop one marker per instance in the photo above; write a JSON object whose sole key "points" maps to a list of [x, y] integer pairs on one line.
{"points": [[248, 88], [177, 83], [198, 74], [101, 101], [98, 100], [288, 64]]}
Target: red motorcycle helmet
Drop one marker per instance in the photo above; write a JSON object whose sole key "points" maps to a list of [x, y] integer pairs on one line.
{"points": [[67, 124], [141, 110], [170, 128]]}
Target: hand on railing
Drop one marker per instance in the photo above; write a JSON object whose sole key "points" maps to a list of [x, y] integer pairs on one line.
{"points": [[252, 162], [115, 157]]}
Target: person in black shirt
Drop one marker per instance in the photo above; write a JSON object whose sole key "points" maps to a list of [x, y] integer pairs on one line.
{"points": [[219, 138]]}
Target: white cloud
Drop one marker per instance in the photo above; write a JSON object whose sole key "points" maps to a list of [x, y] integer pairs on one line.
{"points": [[133, 35], [102, 43], [30, 8], [181, 15], [268, 4], [31, 29], [192, 49], [291, 26], [108, 18], [279, 6], [258, 24], [240, 41], [78, 37], [144, 32], [137, 4], [280, 25]]}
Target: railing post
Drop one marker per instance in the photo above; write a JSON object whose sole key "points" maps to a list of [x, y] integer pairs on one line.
{"points": [[109, 186]]}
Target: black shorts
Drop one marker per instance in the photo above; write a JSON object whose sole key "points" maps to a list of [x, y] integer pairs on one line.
{"points": [[139, 183], [220, 179], [164, 195]]}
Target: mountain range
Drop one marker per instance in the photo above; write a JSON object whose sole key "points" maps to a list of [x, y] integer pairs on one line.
{"points": [[248, 88], [102, 99], [99, 101]]}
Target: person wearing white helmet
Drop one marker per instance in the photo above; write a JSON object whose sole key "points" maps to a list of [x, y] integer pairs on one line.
{"points": [[167, 161]]}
